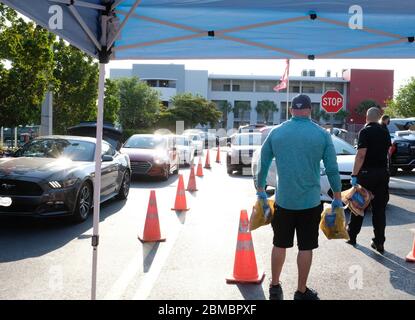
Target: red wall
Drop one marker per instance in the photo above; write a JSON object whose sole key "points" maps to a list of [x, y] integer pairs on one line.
{"points": [[363, 85]]}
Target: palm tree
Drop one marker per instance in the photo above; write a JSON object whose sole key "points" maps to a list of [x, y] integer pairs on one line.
{"points": [[225, 107], [241, 107], [266, 108]]}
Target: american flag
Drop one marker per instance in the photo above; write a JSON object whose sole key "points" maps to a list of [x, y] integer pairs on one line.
{"points": [[284, 80]]}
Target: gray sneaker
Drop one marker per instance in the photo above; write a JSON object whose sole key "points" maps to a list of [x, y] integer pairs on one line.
{"points": [[309, 294], [275, 292]]}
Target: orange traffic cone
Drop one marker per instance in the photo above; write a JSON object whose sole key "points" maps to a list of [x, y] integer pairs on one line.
{"points": [[191, 186], [245, 268], [218, 155], [199, 172], [411, 255], [152, 226], [180, 203], [207, 161]]}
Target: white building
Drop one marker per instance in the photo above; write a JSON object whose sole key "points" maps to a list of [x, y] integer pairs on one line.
{"points": [[241, 92]]}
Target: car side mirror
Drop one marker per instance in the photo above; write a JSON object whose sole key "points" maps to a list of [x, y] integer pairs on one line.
{"points": [[107, 158]]}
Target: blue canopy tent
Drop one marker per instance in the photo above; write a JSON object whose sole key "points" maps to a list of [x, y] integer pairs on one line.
{"points": [[223, 29]]}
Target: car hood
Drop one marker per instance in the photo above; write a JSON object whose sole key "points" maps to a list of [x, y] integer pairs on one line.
{"points": [[242, 148], [142, 154], [37, 168]]}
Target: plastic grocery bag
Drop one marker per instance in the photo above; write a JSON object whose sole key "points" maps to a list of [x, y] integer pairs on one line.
{"points": [[338, 231], [260, 218], [357, 199]]}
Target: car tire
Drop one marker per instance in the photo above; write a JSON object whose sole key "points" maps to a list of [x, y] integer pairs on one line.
{"points": [[229, 170], [177, 168], [83, 203], [407, 169], [125, 187], [166, 174], [393, 171]]}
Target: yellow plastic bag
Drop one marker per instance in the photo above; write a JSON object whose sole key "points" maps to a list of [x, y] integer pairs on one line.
{"points": [[357, 199], [338, 231], [258, 218]]}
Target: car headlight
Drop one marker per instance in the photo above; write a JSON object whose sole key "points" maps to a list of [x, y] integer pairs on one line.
{"points": [[322, 171], [62, 184], [160, 160]]}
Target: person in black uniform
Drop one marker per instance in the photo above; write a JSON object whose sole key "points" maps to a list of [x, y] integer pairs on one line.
{"points": [[371, 172], [385, 121]]}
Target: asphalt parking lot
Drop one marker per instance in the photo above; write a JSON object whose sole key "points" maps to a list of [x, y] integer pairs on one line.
{"points": [[51, 259]]}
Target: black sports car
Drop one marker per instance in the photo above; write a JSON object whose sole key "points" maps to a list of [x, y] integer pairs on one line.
{"points": [[54, 176], [402, 152]]}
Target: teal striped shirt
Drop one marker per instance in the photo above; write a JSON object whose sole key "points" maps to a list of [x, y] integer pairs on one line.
{"points": [[298, 146]]}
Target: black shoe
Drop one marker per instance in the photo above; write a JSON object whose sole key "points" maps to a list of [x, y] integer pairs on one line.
{"points": [[351, 242], [275, 292], [309, 294], [378, 247]]}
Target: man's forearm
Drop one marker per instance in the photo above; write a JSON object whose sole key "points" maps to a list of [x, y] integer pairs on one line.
{"points": [[337, 195], [357, 165]]}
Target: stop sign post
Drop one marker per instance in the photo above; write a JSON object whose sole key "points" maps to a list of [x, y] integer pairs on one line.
{"points": [[332, 102]]}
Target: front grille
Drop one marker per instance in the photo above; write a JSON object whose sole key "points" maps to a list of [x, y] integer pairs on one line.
{"points": [[19, 188], [140, 167]]}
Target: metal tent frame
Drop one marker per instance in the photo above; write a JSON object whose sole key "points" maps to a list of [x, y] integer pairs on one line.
{"points": [[103, 47]]}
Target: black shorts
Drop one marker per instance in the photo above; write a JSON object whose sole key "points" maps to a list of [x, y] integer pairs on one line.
{"points": [[304, 222]]}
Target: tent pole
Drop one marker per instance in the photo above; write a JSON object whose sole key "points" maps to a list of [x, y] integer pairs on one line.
{"points": [[97, 179]]}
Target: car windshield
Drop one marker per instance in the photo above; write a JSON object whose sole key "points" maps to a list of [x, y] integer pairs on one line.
{"points": [[342, 147], [145, 142], [182, 141], [75, 150], [400, 125], [247, 140]]}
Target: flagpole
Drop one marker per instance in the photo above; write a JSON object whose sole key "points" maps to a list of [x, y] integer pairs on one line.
{"points": [[288, 86], [288, 92]]}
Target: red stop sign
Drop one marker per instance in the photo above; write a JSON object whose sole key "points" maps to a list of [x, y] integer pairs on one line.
{"points": [[332, 101]]}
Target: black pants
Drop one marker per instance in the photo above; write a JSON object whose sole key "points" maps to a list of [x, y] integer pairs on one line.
{"points": [[376, 181]]}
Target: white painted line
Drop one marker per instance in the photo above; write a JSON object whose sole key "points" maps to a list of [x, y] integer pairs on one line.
{"points": [[402, 180], [150, 278], [119, 287]]}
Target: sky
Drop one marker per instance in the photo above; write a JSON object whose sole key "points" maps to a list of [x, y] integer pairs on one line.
{"points": [[404, 69]]}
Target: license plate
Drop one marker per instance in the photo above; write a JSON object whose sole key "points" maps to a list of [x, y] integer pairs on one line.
{"points": [[5, 202]]}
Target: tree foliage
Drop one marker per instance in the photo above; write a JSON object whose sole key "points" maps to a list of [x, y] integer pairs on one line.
{"points": [[75, 93], [23, 84], [193, 110], [139, 104], [112, 102], [266, 108], [404, 103], [366, 105]]}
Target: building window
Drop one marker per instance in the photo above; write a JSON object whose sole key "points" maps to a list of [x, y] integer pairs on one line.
{"points": [[283, 113], [165, 104], [243, 85], [152, 83], [294, 87], [221, 85], [312, 87], [334, 86], [265, 86], [242, 110]]}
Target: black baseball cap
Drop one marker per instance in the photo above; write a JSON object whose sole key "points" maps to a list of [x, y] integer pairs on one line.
{"points": [[301, 101]]}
